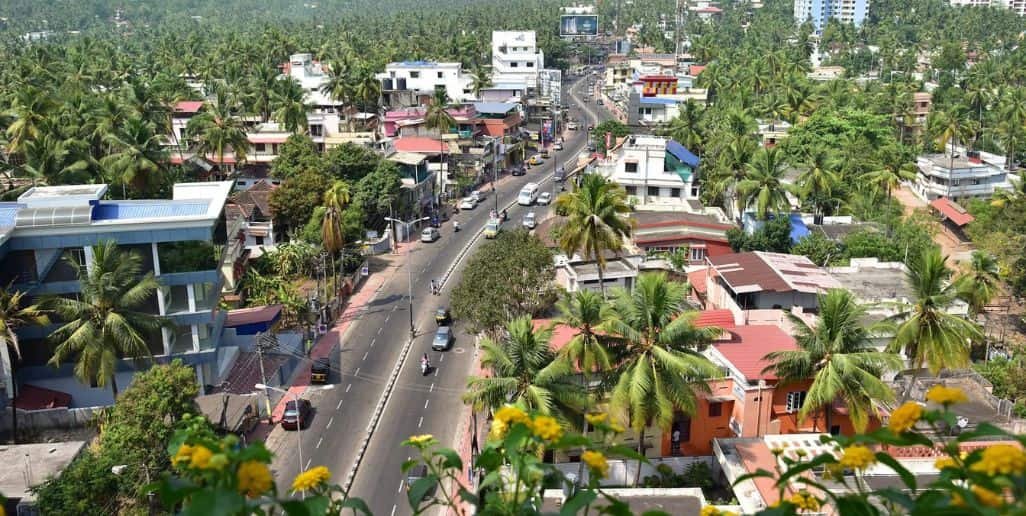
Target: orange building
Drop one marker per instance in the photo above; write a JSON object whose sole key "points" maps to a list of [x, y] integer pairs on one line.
{"points": [[652, 85]]}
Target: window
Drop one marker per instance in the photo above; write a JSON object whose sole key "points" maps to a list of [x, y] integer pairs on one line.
{"points": [[630, 167], [715, 409], [653, 191], [440, 75], [685, 430], [514, 64], [697, 254], [530, 64], [261, 147], [795, 400], [316, 130], [415, 75], [631, 190], [675, 192]]}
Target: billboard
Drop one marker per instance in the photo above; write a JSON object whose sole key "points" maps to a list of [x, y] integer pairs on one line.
{"points": [[578, 25]]}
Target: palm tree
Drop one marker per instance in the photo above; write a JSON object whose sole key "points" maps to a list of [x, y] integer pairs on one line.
{"points": [[980, 283], [335, 199], [838, 357], [31, 108], [368, 91], [927, 333], [687, 127], [659, 369], [288, 106], [105, 323], [14, 315], [217, 131], [51, 160], [948, 126], [817, 183], [437, 118], [763, 188], [890, 172], [138, 156], [479, 80], [595, 221], [524, 371], [339, 86]]}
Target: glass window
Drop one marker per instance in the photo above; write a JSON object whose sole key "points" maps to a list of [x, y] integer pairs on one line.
{"points": [[205, 296], [630, 166], [697, 254], [439, 75], [631, 190], [715, 409], [415, 75], [795, 400], [260, 147], [181, 340], [675, 192], [653, 191]]}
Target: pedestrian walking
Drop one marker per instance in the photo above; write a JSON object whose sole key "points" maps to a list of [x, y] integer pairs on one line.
{"points": [[434, 288]]}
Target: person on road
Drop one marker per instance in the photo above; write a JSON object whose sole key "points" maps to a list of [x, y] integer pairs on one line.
{"points": [[434, 287]]}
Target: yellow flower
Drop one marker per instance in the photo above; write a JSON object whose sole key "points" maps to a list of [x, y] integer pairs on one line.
{"points": [[498, 430], [510, 414], [905, 417], [804, 501], [254, 478], [597, 418], [1001, 459], [857, 456], [419, 440], [596, 461], [200, 458], [311, 478], [987, 497], [615, 427], [945, 395], [945, 462], [709, 510], [183, 455], [547, 428]]}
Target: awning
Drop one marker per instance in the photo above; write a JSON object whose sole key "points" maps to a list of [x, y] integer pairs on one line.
{"points": [[952, 211], [685, 156]]}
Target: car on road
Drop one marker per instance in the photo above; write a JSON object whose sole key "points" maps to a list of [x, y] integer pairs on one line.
{"points": [[416, 473], [296, 416], [571, 126], [544, 153], [468, 203], [557, 146], [591, 147], [429, 235], [320, 370], [544, 198], [591, 128], [559, 175], [443, 317], [492, 228], [530, 222], [443, 339], [479, 195], [519, 170], [537, 159]]}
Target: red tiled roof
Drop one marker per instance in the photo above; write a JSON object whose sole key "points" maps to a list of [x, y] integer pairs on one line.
{"points": [[708, 9], [256, 314], [658, 78], [31, 397], [189, 106], [696, 69], [420, 144], [772, 272], [756, 455], [749, 345], [719, 318], [561, 334], [952, 211], [697, 279]]}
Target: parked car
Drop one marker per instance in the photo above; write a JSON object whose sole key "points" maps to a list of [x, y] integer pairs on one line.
{"points": [[545, 198], [468, 203], [537, 159], [557, 146], [443, 317], [529, 221], [429, 235], [320, 370], [519, 170], [416, 473], [443, 339], [295, 417], [479, 195], [571, 126]]}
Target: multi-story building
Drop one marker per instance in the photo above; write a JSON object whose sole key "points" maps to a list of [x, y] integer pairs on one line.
{"points": [[516, 58], [819, 11], [1016, 6], [658, 173], [424, 77], [965, 175], [180, 240]]}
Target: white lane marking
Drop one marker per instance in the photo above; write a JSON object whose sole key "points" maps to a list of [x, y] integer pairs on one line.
{"points": [[339, 406], [350, 386], [319, 441], [379, 330], [373, 341], [441, 358], [357, 373], [393, 505], [395, 307], [365, 355], [387, 317], [436, 371], [421, 422], [330, 421], [432, 389], [308, 464], [400, 487], [426, 403]]}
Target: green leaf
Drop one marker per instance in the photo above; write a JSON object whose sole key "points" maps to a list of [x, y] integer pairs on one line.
{"points": [[759, 473], [489, 460], [214, 501], [855, 506], [420, 489], [626, 452], [655, 513], [452, 459], [357, 504], [803, 467], [409, 464], [578, 501], [897, 497], [908, 478], [467, 496], [313, 506]]}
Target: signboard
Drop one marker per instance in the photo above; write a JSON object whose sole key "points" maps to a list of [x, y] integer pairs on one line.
{"points": [[547, 130], [578, 25]]}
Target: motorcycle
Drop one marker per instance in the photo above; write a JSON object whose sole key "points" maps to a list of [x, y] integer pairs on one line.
{"points": [[424, 367], [456, 226]]}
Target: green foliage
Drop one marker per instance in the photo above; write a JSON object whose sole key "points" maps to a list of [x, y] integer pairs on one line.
{"points": [[774, 236], [827, 129], [818, 248], [297, 155], [378, 192], [295, 200], [1008, 376], [351, 162], [508, 276], [615, 127], [188, 256], [697, 474], [999, 231], [903, 242]]}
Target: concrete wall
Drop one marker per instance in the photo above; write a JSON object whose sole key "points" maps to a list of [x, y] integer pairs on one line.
{"points": [[51, 418], [621, 472]]}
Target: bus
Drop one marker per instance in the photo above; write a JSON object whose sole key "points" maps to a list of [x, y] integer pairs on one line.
{"points": [[528, 194]]}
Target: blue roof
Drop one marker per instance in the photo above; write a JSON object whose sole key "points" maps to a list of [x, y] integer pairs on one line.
{"points": [[685, 156], [418, 63], [122, 210], [494, 107], [8, 213], [798, 228], [656, 100]]}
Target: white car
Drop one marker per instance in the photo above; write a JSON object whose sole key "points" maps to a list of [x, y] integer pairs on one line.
{"points": [[468, 203], [429, 235], [545, 198], [478, 195], [529, 221], [571, 126], [558, 146]]}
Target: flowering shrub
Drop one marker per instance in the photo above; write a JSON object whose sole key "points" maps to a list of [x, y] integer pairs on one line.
{"points": [[989, 481]]}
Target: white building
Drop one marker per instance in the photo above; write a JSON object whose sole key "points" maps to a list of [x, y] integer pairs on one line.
{"points": [[658, 173], [516, 58], [427, 76], [311, 76], [1017, 6], [819, 11], [967, 175]]}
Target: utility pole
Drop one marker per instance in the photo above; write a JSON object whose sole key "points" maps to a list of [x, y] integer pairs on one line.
{"points": [[268, 341], [409, 269], [495, 170]]}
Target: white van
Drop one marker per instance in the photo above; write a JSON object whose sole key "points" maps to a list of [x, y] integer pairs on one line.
{"points": [[528, 194]]}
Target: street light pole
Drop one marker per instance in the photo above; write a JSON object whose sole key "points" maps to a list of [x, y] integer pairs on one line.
{"points": [[409, 269], [495, 170], [299, 425]]}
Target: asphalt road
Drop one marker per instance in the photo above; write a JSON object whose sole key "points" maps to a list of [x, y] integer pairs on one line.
{"points": [[418, 404]]}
